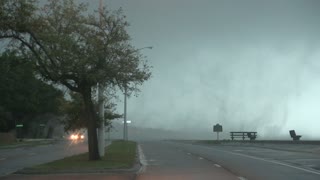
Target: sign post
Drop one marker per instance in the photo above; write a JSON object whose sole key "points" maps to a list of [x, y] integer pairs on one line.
{"points": [[217, 128], [41, 133], [19, 130]]}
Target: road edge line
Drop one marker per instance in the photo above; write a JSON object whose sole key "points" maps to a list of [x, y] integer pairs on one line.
{"points": [[278, 163], [269, 161]]}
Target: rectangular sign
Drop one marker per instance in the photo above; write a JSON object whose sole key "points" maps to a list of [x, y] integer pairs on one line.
{"points": [[19, 125], [128, 121], [217, 128]]}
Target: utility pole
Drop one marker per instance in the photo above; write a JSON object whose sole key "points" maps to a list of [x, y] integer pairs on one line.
{"points": [[101, 129], [125, 126], [125, 123]]}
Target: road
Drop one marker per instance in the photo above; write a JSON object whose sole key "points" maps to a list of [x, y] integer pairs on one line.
{"points": [[15, 159], [249, 162], [169, 161], [174, 160]]}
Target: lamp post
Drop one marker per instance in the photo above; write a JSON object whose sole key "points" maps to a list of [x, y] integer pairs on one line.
{"points": [[125, 124], [100, 100], [101, 129]]}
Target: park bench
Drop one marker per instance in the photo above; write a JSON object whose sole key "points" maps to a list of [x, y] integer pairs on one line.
{"points": [[294, 136], [243, 135]]}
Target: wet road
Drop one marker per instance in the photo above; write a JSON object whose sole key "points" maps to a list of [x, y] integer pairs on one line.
{"points": [[15, 159], [258, 163], [168, 161], [173, 160]]}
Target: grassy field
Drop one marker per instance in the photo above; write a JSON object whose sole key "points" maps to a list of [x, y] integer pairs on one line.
{"points": [[120, 154], [24, 144]]}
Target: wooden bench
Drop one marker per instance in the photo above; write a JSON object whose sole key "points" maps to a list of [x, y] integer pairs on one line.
{"points": [[243, 135], [294, 136]]}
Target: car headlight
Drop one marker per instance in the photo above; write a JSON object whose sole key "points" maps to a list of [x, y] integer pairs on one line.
{"points": [[74, 137]]}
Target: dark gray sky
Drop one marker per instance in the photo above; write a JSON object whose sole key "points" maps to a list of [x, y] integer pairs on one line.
{"points": [[246, 64]]}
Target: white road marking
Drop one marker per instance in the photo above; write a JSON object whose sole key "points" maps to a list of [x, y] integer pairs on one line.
{"points": [[279, 163], [217, 165], [242, 178], [200, 158], [313, 159], [189, 153], [270, 161], [143, 161], [238, 150]]}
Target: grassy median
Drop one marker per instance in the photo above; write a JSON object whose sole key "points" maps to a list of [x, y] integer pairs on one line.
{"points": [[120, 154], [25, 144]]}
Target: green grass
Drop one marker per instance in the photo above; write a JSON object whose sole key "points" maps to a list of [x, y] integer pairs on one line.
{"points": [[120, 154], [23, 144]]}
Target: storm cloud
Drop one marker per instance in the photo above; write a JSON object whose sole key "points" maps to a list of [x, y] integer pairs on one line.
{"points": [[248, 65]]}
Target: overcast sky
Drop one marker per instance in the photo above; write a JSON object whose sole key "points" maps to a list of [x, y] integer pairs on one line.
{"points": [[246, 64], [249, 65]]}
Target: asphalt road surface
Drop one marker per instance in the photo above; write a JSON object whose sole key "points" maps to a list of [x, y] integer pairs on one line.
{"points": [[168, 161], [256, 163], [174, 161], [15, 159]]}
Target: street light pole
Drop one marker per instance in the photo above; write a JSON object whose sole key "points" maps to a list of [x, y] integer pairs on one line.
{"points": [[101, 129], [125, 124]]}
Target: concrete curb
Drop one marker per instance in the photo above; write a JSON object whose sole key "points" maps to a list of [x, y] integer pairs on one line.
{"points": [[142, 161]]}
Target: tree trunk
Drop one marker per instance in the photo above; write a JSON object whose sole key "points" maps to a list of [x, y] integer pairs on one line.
{"points": [[91, 125]]}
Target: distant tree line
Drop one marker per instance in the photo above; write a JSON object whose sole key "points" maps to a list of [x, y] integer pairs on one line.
{"points": [[23, 96]]}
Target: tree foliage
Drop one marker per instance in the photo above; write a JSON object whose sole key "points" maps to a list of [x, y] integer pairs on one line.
{"points": [[75, 48], [22, 94], [75, 114]]}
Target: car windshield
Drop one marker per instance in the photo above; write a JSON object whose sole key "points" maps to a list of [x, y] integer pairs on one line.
{"points": [[150, 89]]}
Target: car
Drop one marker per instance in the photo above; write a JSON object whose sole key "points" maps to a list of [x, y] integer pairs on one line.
{"points": [[77, 136]]}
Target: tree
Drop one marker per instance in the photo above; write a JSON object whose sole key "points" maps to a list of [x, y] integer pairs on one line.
{"points": [[23, 96], [75, 48], [75, 113]]}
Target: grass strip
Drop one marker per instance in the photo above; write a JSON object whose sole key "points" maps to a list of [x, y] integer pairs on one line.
{"points": [[120, 154], [23, 144]]}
